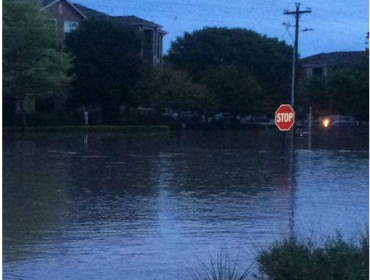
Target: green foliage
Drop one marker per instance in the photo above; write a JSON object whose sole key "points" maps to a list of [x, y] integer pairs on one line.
{"points": [[236, 92], [107, 66], [345, 91], [30, 58], [348, 90], [175, 90], [312, 92], [259, 66], [336, 260], [32, 65]]}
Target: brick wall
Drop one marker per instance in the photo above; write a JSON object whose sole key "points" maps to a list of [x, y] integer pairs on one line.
{"points": [[61, 12]]}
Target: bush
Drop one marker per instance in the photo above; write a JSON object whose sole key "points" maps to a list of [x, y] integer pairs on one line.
{"points": [[221, 268], [336, 260], [57, 118]]}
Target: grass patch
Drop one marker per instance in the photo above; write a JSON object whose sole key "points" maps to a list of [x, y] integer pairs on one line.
{"points": [[337, 259], [293, 259]]}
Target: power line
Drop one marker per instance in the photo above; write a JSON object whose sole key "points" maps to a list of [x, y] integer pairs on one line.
{"points": [[297, 15]]}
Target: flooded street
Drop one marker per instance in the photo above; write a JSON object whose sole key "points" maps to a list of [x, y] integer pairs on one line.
{"points": [[151, 205]]}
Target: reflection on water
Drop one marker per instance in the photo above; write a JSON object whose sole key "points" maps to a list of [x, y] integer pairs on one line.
{"points": [[147, 206]]}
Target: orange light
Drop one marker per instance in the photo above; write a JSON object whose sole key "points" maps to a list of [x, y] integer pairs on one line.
{"points": [[326, 123]]}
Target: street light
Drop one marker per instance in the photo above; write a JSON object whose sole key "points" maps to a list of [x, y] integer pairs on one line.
{"points": [[326, 122]]}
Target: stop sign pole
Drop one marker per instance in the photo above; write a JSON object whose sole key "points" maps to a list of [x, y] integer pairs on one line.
{"points": [[284, 120], [284, 117]]}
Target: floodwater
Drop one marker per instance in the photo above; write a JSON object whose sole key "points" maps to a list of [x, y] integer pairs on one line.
{"points": [[153, 205]]}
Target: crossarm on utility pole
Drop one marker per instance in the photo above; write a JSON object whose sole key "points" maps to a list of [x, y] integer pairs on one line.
{"points": [[297, 13]]}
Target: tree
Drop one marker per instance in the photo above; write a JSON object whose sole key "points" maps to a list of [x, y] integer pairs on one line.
{"points": [[32, 63], [175, 90], [312, 92], [265, 62], [235, 91], [107, 65], [345, 91], [348, 90]]}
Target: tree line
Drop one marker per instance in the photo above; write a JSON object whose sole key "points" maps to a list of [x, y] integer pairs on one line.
{"points": [[208, 71], [344, 92]]}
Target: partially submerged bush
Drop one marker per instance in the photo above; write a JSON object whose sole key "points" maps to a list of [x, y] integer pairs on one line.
{"points": [[221, 268], [297, 260]]}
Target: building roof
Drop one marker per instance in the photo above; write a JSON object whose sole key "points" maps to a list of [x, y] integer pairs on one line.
{"points": [[126, 20], [334, 58], [92, 14], [48, 3], [134, 20]]}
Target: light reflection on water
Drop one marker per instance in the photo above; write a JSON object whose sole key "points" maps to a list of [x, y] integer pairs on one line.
{"points": [[148, 206]]}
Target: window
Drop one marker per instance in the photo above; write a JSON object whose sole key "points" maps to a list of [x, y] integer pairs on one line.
{"points": [[60, 9], [70, 26]]}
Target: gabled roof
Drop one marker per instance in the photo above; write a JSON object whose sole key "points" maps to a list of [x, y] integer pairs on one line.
{"points": [[133, 20], [92, 14], [126, 20], [334, 58], [49, 3]]}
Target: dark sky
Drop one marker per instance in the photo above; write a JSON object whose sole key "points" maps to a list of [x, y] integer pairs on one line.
{"points": [[340, 25]]}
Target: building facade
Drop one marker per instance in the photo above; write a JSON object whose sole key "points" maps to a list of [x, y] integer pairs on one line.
{"points": [[66, 17], [321, 65]]}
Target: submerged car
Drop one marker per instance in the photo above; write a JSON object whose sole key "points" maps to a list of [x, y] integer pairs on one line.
{"points": [[189, 117], [337, 121]]}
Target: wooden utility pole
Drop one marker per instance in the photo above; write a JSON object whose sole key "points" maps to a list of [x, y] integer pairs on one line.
{"points": [[297, 14], [309, 127]]}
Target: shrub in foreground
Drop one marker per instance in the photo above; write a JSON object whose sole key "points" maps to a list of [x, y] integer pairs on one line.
{"points": [[297, 260], [221, 268]]}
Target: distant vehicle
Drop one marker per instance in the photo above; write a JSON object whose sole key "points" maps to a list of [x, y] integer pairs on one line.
{"points": [[170, 114], [189, 117], [254, 119], [174, 116], [340, 118], [343, 124], [337, 121], [219, 117]]}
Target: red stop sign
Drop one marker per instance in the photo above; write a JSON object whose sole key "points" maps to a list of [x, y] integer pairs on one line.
{"points": [[284, 117]]}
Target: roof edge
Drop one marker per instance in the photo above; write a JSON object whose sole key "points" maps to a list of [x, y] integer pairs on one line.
{"points": [[330, 53], [69, 3]]}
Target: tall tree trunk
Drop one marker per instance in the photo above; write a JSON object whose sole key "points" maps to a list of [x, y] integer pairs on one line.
{"points": [[14, 109], [23, 112]]}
